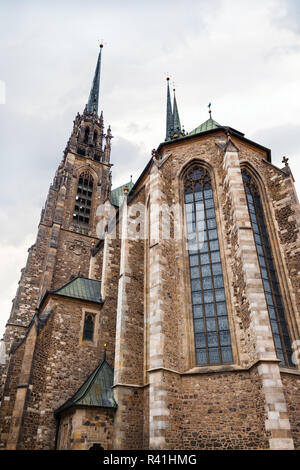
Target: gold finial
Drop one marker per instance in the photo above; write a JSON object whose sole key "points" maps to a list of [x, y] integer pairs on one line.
{"points": [[105, 345], [101, 45]]}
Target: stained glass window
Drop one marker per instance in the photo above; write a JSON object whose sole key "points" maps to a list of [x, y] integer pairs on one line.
{"points": [[82, 209], [268, 272], [211, 327]]}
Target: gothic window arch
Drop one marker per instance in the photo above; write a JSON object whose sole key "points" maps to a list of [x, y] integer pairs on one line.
{"points": [[83, 201], [211, 327], [269, 276]]}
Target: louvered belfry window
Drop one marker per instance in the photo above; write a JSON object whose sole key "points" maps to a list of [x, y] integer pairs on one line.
{"points": [[268, 272], [82, 209], [211, 327]]}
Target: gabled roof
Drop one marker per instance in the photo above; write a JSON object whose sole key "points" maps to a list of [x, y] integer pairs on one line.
{"points": [[81, 288], [205, 126], [96, 391], [117, 195]]}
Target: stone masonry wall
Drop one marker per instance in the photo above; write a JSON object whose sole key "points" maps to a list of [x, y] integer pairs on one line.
{"points": [[80, 428], [291, 385], [217, 411], [9, 394]]}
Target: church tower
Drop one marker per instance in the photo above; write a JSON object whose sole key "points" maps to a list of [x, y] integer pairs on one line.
{"points": [[67, 227]]}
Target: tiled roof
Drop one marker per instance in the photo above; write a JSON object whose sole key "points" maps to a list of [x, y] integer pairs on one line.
{"points": [[81, 288], [116, 196], [96, 390], [206, 126]]}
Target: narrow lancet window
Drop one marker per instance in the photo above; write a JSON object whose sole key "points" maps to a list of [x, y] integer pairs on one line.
{"points": [[82, 209], [88, 329], [211, 327], [86, 135], [268, 272]]}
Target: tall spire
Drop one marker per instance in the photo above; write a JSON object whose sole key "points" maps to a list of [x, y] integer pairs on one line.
{"points": [[169, 126], [94, 93], [176, 120]]}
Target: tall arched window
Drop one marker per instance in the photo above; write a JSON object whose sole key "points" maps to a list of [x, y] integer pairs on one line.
{"points": [[82, 209], [268, 272], [211, 328], [86, 135]]}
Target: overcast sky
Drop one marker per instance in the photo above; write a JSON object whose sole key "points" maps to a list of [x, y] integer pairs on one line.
{"points": [[242, 56]]}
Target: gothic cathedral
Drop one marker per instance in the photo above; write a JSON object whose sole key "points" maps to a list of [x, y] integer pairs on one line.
{"points": [[163, 314]]}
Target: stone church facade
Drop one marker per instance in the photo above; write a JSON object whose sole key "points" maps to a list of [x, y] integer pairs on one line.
{"points": [[162, 314]]}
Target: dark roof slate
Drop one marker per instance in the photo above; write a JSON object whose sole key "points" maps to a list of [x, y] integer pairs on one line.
{"points": [[96, 391], [81, 288]]}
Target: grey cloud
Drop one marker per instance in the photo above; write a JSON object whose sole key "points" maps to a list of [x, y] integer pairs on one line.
{"points": [[282, 140]]}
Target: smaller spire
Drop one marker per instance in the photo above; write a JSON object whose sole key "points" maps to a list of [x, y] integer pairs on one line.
{"points": [[104, 355], [169, 124], [176, 120]]}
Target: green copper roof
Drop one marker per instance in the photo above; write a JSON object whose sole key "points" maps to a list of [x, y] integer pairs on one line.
{"points": [[96, 390], [206, 126], [116, 196], [81, 288]]}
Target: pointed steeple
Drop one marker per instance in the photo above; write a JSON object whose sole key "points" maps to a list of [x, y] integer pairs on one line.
{"points": [[94, 93], [169, 126], [176, 120]]}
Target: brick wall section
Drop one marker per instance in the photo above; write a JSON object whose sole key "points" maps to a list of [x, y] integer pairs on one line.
{"points": [[9, 395], [74, 252], [220, 411], [291, 385], [80, 428]]}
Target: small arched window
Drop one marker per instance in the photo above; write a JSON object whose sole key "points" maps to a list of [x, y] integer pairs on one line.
{"points": [[88, 328], [211, 327], [86, 135], [268, 272], [82, 209]]}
